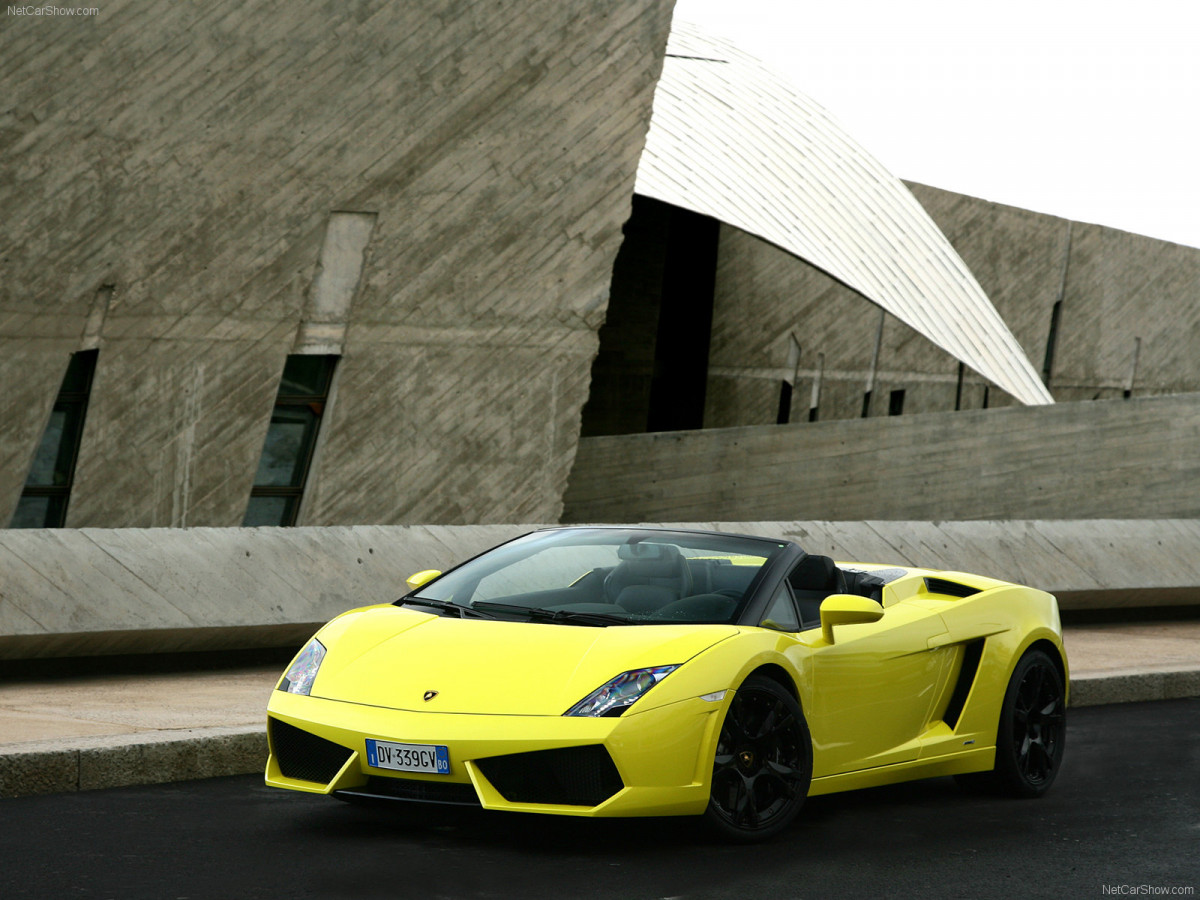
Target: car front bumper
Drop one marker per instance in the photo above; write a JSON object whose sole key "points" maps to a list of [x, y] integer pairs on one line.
{"points": [[652, 763]]}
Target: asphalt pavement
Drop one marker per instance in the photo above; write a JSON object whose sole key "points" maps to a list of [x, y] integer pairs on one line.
{"points": [[102, 729], [1122, 820]]}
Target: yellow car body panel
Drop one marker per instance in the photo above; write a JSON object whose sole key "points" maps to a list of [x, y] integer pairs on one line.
{"points": [[917, 693], [501, 667]]}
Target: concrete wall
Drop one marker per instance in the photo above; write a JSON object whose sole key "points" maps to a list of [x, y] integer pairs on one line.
{"points": [[170, 175], [1086, 564], [1123, 289], [1118, 291], [1109, 459], [95, 591], [68, 592]]}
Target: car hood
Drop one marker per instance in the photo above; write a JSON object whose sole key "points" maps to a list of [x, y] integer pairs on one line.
{"points": [[392, 657]]}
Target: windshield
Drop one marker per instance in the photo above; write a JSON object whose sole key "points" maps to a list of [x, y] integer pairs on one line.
{"points": [[609, 576]]}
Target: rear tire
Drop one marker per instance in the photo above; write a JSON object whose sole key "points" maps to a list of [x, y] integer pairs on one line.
{"points": [[1032, 731], [763, 764]]}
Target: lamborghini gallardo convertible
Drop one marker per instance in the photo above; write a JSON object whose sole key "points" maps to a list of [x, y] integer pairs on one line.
{"points": [[615, 671]]}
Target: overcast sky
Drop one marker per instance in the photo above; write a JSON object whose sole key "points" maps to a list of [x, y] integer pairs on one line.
{"points": [[1087, 110]]}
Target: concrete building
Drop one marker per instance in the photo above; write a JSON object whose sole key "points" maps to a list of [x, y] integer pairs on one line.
{"points": [[432, 196], [417, 274], [1102, 313], [264, 266]]}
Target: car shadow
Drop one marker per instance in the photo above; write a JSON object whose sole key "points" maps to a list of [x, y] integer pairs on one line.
{"points": [[822, 823]]}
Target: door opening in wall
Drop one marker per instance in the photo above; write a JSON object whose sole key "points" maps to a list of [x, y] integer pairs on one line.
{"points": [[651, 372]]}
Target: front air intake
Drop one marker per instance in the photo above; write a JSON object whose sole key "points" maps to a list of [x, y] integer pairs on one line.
{"points": [[570, 776], [305, 756]]}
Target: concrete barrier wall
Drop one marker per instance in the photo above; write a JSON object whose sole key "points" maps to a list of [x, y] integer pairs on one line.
{"points": [[1086, 564], [97, 591], [94, 592], [1107, 459]]}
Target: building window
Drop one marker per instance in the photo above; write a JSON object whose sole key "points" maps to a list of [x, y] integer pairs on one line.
{"points": [[43, 502], [786, 386], [288, 449], [896, 403]]}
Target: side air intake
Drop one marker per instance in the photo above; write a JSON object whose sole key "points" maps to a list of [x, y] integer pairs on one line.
{"points": [[949, 588], [972, 652]]}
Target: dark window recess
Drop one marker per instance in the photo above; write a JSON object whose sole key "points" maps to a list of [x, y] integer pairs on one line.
{"points": [[785, 403], [651, 373], [680, 380], [896, 403], [291, 437], [1051, 342], [43, 502]]}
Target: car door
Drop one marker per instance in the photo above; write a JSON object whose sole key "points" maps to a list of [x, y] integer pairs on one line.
{"points": [[873, 688]]}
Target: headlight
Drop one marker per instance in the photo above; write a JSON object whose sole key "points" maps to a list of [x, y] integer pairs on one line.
{"points": [[298, 679], [616, 696]]}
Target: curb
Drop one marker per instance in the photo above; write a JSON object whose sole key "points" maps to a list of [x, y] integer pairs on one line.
{"points": [[1135, 686], [47, 767]]}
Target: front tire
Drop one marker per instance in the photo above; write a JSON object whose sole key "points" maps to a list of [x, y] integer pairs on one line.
{"points": [[1032, 733], [763, 763]]}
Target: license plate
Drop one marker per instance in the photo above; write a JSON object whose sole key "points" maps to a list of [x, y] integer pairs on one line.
{"points": [[431, 758]]}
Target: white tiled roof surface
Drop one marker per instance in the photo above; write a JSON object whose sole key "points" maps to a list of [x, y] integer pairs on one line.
{"points": [[731, 139]]}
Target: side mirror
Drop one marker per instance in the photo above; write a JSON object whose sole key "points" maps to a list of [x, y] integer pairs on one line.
{"points": [[423, 577], [847, 609]]}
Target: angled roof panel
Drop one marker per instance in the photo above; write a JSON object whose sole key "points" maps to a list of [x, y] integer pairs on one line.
{"points": [[731, 139]]}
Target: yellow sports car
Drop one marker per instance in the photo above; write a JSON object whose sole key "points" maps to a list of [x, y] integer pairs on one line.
{"points": [[614, 671]]}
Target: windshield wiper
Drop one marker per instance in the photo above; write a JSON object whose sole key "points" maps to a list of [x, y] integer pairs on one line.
{"points": [[445, 606], [541, 614]]}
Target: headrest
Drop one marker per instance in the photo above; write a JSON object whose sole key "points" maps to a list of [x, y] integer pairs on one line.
{"points": [[650, 560], [814, 573], [647, 550]]}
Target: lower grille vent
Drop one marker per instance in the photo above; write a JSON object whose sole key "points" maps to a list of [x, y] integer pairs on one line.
{"points": [[305, 756], [419, 791], [571, 776]]}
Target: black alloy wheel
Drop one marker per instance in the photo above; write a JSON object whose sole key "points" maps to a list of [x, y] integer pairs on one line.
{"points": [[1032, 732], [763, 764], [1035, 723]]}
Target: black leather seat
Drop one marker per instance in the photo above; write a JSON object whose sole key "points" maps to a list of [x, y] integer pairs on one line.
{"points": [[644, 583], [813, 579]]}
